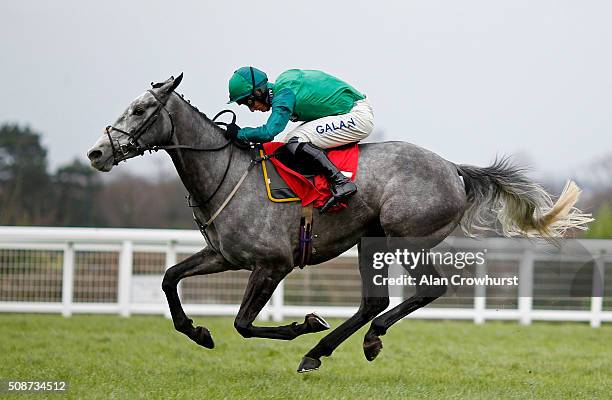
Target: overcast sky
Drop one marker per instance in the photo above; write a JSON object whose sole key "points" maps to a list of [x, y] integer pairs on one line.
{"points": [[466, 79]]}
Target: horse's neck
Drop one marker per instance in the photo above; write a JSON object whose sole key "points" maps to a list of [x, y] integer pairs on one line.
{"points": [[202, 171]]}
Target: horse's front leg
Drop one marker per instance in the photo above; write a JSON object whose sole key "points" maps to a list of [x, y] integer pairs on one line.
{"points": [[204, 262], [262, 282]]}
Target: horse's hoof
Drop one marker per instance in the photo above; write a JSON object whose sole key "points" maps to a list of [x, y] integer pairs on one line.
{"points": [[309, 364], [372, 347], [315, 323], [203, 337]]}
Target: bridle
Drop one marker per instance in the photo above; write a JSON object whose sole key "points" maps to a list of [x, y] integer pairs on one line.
{"points": [[133, 144], [123, 150]]}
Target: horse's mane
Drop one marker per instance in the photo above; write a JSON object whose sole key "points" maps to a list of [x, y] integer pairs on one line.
{"points": [[194, 108], [157, 85], [188, 102]]}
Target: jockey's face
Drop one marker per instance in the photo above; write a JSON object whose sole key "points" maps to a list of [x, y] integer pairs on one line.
{"points": [[257, 105], [256, 102]]}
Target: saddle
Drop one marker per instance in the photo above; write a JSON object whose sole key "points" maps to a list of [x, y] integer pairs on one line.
{"points": [[288, 179]]}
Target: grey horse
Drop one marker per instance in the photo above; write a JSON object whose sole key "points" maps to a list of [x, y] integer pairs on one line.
{"points": [[404, 192]]}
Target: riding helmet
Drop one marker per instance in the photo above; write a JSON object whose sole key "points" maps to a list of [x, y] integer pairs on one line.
{"points": [[244, 81]]}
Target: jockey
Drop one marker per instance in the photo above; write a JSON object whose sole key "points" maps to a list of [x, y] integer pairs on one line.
{"points": [[332, 111]]}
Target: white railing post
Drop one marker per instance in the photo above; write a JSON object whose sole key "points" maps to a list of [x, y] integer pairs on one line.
{"points": [[264, 314], [396, 292], [171, 261], [125, 278], [67, 279], [480, 292], [598, 289], [525, 289], [278, 302]]}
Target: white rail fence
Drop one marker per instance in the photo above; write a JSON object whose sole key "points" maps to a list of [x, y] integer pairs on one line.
{"points": [[119, 271]]}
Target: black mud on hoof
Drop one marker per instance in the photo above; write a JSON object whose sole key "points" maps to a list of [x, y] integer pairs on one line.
{"points": [[309, 364], [203, 337], [372, 347], [316, 323]]}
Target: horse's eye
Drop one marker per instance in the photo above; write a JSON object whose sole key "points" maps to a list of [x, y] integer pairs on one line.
{"points": [[138, 111]]}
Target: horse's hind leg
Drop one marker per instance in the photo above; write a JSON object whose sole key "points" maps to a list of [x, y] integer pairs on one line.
{"points": [[438, 215], [262, 282], [372, 343], [204, 262], [373, 301]]}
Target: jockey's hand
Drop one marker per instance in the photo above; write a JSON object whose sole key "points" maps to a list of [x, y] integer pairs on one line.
{"points": [[231, 132]]}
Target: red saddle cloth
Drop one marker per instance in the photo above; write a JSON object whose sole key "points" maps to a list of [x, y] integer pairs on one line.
{"points": [[345, 158]]}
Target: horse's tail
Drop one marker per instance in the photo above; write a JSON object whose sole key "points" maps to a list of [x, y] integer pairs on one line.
{"points": [[503, 199]]}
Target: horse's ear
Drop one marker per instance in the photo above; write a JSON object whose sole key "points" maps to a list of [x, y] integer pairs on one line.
{"points": [[177, 81], [172, 83], [168, 86]]}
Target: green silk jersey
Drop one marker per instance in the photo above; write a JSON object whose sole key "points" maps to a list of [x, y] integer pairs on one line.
{"points": [[302, 95]]}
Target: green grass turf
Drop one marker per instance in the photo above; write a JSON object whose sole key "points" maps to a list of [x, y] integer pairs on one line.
{"points": [[143, 357]]}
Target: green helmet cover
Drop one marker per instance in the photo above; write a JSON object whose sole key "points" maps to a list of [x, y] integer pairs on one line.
{"points": [[244, 81]]}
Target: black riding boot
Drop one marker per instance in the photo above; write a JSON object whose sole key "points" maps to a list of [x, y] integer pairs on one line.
{"points": [[340, 186]]}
